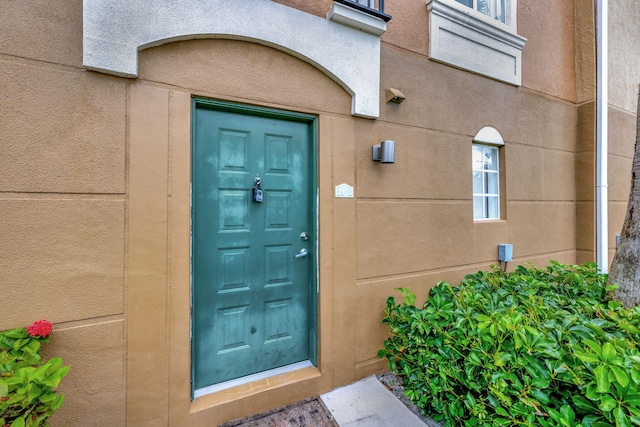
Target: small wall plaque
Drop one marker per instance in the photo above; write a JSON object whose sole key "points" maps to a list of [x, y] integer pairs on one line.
{"points": [[344, 191]]}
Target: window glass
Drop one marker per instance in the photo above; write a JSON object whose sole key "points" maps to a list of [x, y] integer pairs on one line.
{"points": [[477, 158], [492, 183], [478, 184], [478, 207], [490, 158], [493, 208]]}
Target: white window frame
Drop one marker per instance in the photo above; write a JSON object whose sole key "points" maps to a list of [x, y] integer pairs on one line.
{"points": [[487, 138], [462, 36], [485, 197]]}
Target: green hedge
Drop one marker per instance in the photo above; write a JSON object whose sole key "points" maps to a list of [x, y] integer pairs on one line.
{"points": [[531, 347]]}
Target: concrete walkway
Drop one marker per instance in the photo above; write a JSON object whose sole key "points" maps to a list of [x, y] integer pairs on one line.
{"points": [[368, 403]]}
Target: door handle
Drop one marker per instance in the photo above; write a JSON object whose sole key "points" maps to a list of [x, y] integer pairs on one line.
{"points": [[303, 253]]}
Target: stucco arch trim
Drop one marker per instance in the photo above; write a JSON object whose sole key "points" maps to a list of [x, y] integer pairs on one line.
{"points": [[114, 32], [489, 135]]}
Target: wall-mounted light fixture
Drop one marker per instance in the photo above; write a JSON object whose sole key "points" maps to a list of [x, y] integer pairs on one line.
{"points": [[394, 96], [385, 152]]}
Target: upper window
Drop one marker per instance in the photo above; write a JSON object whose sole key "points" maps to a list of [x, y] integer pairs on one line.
{"points": [[371, 7], [486, 174], [477, 35], [496, 9]]}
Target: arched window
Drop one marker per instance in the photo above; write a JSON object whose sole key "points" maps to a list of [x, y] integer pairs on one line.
{"points": [[486, 173]]}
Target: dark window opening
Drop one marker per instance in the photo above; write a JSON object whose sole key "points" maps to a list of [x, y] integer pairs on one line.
{"points": [[372, 7]]}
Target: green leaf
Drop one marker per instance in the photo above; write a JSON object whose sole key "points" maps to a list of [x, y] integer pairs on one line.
{"points": [[470, 401], [541, 382], [629, 328], [16, 333], [18, 422], [555, 415], [602, 379], [593, 346], [608, 352], [493, 329], [589, 421], [39, 373], [622, 420], [541, 396], [567, 414], [591, 392], [582, 332], [57, 403], [555, 353], [19, 343], [632, 399], [501, 411], [586, 357], [619, 375], [607, 403], [16, 379], [582, 403]]}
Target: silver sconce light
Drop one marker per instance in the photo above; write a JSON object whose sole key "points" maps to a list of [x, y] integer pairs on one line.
{"points": [[385, 152]]}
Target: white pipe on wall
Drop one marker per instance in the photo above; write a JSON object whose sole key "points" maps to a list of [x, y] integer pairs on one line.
{"points": [[602, 124]]}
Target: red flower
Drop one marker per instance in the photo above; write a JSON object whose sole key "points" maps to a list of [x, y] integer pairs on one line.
{"points": [[40, 328]]}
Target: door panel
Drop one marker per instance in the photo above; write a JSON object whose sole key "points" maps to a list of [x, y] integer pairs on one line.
{"points": [[252, 301]]}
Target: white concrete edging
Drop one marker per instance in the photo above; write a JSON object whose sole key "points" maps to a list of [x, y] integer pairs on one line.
{"points": [[115, 30]]}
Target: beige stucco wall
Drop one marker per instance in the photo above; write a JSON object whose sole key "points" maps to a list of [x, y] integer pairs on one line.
{"points": [[94, 191], [549, 56], [63, 204], [624, 80]]}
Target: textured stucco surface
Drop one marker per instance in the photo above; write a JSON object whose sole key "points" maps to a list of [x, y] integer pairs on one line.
{"points": [[37, 31], [95, 172], [232, 69], [624, 54], [62, 259], [550, 52], [62, 132], [93, 388], [624, 78]]}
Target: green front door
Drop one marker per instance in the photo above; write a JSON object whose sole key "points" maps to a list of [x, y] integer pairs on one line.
{"points": [[253, 263]]}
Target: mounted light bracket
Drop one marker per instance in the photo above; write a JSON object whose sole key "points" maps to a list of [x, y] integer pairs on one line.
{"points": [[394, 96]]}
